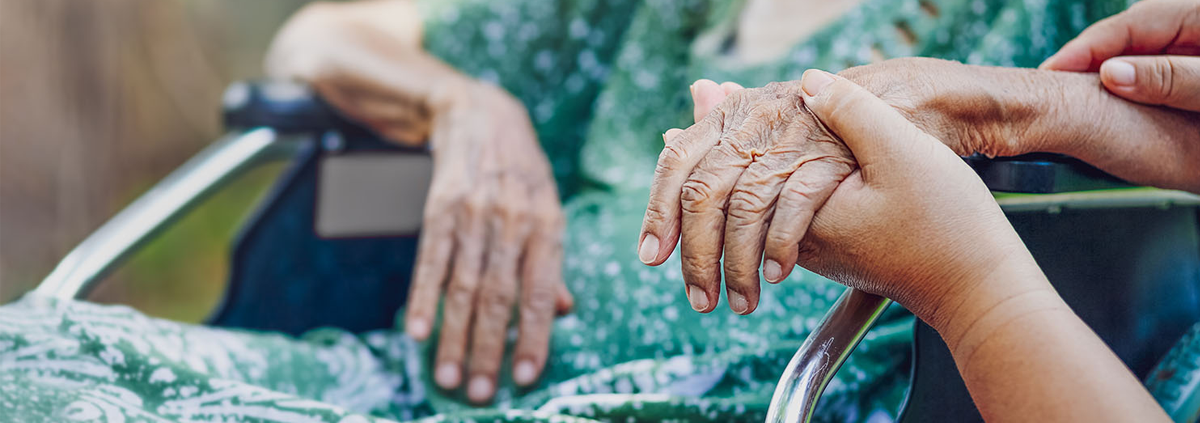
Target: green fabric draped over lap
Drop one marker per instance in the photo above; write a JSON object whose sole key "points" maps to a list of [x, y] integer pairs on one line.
{"points": [[602, 81]]}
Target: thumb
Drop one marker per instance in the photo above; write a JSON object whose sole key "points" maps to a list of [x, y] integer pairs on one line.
{"points": [[706, 95], [878, 135], [563, 300], [1172, 81]]}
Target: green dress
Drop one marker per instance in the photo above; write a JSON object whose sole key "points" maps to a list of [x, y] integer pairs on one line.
{"points": [[602, 80]]}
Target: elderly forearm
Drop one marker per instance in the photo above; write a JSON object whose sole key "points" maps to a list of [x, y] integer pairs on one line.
{"points": [[1073, 114], [1007, 111]]}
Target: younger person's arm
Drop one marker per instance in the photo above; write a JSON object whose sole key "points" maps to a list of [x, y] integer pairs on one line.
{"points": [[917, 225]]}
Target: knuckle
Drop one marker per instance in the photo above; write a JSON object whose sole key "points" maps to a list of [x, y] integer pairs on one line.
{"points": [[538, 302], [765, 112], [460, 294], [779, 236], [776, 87], [697, 262], [672, 157], [797, 192], [655, 212], [557, 224], [696, 195], [701, 272], [741, 270], [498, 303], [510, 212], [439, 202], [747, 205], [474, 206], [739, 99], [1165, 71]]}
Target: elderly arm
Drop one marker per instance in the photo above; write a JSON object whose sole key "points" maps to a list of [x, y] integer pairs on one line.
{"points": [[745, 180], [915, 224], [491, 236], [1006, 111]]}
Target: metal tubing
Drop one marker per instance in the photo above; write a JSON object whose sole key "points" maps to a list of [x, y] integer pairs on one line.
{"points": [[172, 197], [822, 354]]}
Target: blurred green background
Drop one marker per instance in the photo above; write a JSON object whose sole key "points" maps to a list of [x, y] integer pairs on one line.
{"points": [[98, 101]]}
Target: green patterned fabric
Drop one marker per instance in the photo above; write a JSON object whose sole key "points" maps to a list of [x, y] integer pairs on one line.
{"points": [[602, 81]]}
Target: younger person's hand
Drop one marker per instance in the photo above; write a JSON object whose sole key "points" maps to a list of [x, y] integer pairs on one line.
{"points": [[1146, 54], [914, 223]]}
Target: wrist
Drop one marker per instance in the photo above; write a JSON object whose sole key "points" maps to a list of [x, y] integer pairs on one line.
{"points": [[447, 92], [1014, 288], [990, 110]]}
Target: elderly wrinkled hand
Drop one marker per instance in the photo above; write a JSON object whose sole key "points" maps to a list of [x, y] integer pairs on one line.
{"points": [[757, 156], [914, 223], [492, 223]]}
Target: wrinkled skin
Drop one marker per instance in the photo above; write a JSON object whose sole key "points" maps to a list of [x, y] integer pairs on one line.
{"points": [[491, 238], [745, 181], [915, 223], [493, 208], [751, 143]]}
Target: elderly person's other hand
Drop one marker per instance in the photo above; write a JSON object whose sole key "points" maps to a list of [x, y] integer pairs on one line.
{"points": [[493, 221], [1145, 54]]}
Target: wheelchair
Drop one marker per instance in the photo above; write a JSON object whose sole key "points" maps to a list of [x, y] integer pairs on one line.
{"points": [[324, 240]]}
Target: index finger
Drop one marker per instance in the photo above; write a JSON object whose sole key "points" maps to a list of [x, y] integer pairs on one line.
{"points": [[660, 227], [1146, 28]]}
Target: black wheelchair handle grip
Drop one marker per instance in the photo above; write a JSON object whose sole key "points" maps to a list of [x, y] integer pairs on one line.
{"points": [[285, 106]]}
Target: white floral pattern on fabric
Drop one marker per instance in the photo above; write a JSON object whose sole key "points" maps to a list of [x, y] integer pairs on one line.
{"points": [[602, 80]]}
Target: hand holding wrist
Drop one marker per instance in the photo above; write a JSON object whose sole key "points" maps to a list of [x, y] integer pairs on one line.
{"points": [[1007, 112]]}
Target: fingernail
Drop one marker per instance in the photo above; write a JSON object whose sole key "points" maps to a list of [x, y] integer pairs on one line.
{"points": [[417, 328], [698, 298], [1119, 72], [524, 373], [480, 389], [772, 271], [692, 88], [815, 80], [447, 376], [649, 249], [737, 302]]}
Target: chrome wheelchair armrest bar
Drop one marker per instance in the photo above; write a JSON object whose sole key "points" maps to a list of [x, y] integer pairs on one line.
{"points": [[168, 200], [822, 354]]}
